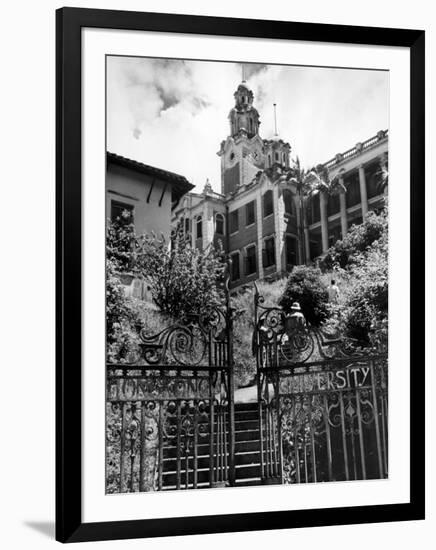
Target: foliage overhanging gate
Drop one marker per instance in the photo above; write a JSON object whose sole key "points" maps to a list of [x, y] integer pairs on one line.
{"points": [[322, 406], [323, 403]]}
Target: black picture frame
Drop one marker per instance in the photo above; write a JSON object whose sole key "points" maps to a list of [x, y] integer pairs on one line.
{"points": [[69, 525]]}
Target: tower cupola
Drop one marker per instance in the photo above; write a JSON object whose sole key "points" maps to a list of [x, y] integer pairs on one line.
{"points": [[244, 118]]}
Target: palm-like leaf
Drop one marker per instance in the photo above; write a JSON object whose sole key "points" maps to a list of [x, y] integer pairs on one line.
{"points": [[323, 181], [383, 173]]}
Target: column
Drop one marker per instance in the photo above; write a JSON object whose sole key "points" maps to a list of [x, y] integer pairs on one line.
{"points": [[324, 226], [363, 195], [279, 214], [259, 220], [307, 244], [206, 228], [299, 232], [343, 205]]}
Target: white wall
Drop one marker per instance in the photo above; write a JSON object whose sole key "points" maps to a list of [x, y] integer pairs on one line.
{"points": [[27, 375], [128, 187]]}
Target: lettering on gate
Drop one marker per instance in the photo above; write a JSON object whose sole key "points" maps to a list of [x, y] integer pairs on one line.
{"points": [[350, 377], [157, 388]]}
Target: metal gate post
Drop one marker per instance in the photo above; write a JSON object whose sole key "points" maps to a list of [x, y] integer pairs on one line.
{"points": [[231, 381]]}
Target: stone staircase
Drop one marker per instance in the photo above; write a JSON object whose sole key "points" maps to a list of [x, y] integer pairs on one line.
{"points": [[247, 455], [247, 446]]}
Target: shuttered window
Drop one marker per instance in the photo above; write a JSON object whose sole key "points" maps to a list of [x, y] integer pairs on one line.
{"points": [[268, 207], [235, 269], [249, 213], [291, 252], [269, 256], [250, 260], [121, 213], [234, 221]]}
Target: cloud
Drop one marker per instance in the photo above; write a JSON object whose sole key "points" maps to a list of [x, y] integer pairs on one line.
{"points": [[173, 114]]}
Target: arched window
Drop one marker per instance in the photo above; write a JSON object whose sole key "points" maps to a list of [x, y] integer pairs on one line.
{"points": [[269, 160], [199, 227], [268, 207], [219, 224]]}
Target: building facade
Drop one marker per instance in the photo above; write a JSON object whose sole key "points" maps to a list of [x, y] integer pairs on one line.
{"points": [[145, 196], [263, 224], [147, 193]]}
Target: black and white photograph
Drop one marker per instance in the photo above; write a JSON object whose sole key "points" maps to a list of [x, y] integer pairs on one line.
{"points": [[247, 274]]}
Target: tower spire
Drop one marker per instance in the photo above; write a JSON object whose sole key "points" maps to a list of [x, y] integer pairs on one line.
{"points": [[275, 119], [243, 72]]}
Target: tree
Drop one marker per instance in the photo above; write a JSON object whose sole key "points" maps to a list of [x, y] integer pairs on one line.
{"points": [[366, 305], [383, 173], [306, 287], [302, 180], [362, 260], [120, 242], [358, 239], [183, 280], [122, 317], [324, 183]]}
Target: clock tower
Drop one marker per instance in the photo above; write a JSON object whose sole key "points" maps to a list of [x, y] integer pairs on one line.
{"points": [[242, 153]]}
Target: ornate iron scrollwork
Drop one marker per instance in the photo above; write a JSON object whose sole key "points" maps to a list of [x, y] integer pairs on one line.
{"points": [[296, 342], [185, 344]]}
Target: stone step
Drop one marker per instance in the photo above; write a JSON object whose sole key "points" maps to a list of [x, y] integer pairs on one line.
{"points": [[241, 472], [203, 462], [203, 449]]}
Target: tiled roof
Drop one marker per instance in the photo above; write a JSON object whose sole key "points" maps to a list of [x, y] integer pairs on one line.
{"points": [[179, 184]]}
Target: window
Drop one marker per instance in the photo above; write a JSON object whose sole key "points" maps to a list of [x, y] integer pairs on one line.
{"points": [[235, 272], [313, 210], [269, 160], [373, 178], [269, 257], [199, 226], [250, 260], [276, 157], [121, 213], [186, 225], [288, 199], [268, 207], [219, 224], [333, 205], [234, 221], [249, 213], [291, 252], [353, 189], [335, 235]]}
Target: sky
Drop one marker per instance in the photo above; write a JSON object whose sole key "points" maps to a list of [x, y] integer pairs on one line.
{"points": [[172, 114]]}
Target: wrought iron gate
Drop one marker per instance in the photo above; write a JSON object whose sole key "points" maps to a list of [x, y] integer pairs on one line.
{"points": [[169, 414], [322, 408], [322, 403]]}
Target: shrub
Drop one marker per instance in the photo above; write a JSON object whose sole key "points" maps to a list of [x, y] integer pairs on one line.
{"points": [[183, 280], [366, 306], [363, 304], [359, 238], [305, 285]]}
